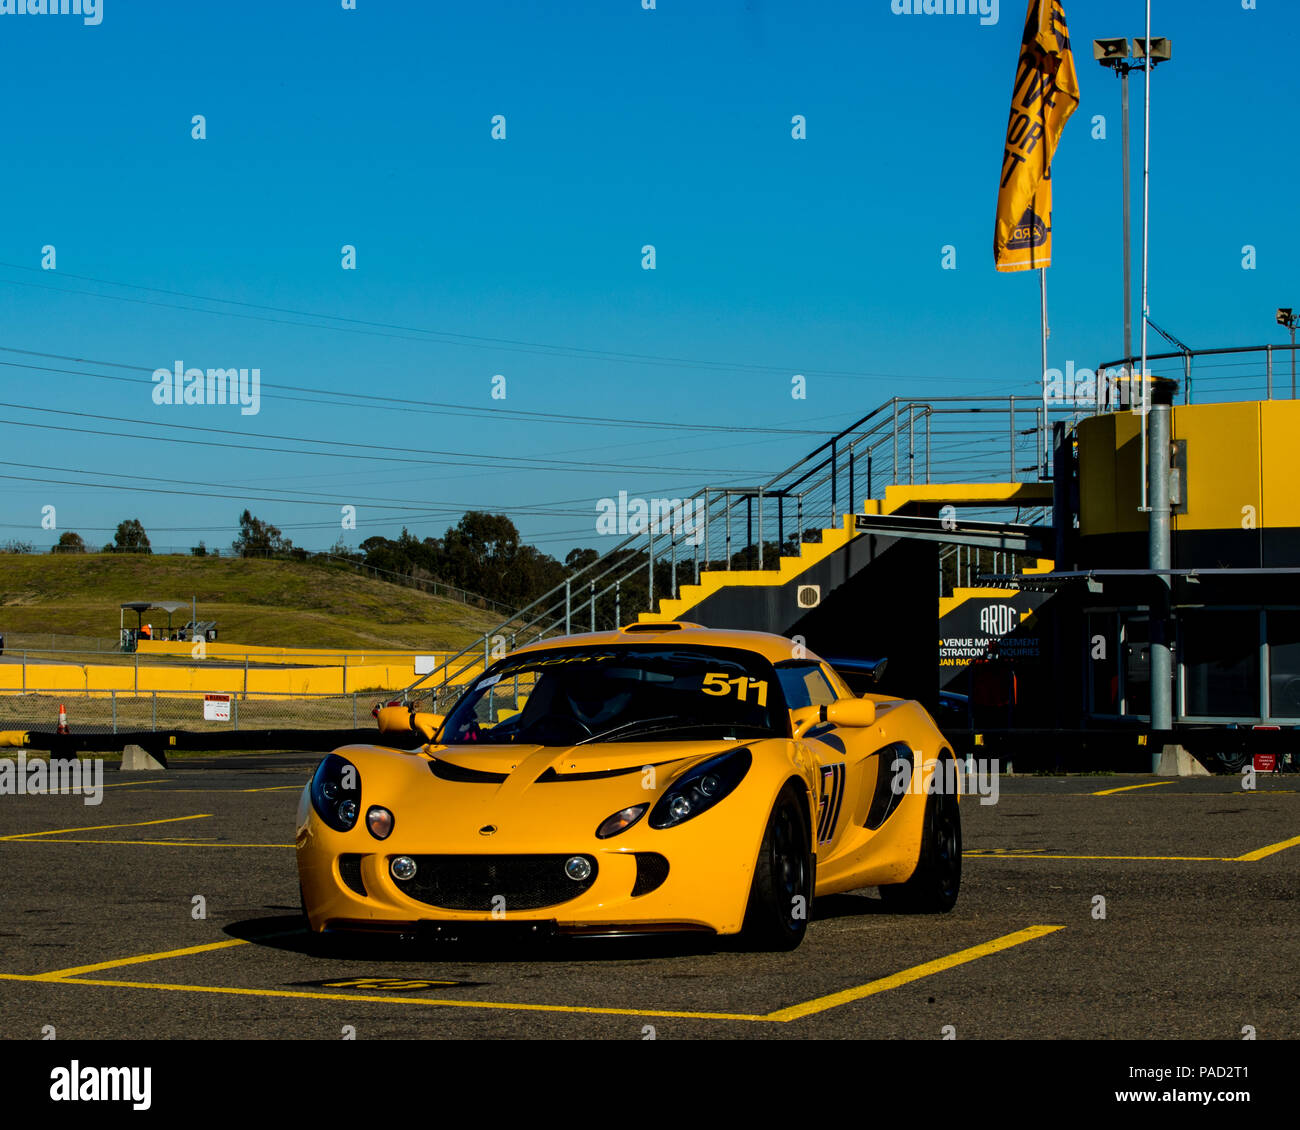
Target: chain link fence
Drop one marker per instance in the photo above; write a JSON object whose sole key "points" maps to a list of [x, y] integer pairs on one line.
{"points": [[112, 711]]}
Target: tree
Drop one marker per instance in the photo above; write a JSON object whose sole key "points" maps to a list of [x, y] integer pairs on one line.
{"points": [[199, 550], [130, 538], [580, 559], [258, 537], [69, 542]]}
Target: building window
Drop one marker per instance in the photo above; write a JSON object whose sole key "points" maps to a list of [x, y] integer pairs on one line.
{"points": [[1136, 655], [1103, 662], [1221, 664], [1284, 664]]}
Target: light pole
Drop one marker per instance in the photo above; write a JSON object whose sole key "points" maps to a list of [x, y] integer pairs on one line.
{"points": [[1286, 317], [1117, 55], [1157, 409]]}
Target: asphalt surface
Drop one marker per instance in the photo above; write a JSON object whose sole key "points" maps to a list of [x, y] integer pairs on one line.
{"points": [[1196, 942]]}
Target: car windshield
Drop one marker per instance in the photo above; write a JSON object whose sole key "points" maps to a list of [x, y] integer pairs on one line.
{"points": [[574, 695]]}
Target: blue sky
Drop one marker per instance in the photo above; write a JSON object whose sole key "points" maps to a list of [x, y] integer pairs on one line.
{"points": [[476, 257]]}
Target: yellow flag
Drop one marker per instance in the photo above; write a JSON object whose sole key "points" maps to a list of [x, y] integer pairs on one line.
{"points": [[1045, 95]]}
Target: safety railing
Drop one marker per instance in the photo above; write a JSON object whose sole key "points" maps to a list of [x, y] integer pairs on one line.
{"points": [[941, 440], [1248, 372], [111, 712]]}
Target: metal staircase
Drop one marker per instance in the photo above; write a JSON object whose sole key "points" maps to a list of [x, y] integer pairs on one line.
{"points": [[945, 440]]}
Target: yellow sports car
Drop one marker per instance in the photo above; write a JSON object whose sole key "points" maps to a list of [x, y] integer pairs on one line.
{"points": [[662, 777]]}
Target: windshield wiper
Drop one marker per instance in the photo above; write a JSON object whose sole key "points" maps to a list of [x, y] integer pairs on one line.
{"points": [[627, 726], [675, 724]]}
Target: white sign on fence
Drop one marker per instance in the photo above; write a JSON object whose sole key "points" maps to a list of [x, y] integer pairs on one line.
{"points": [[216, 708], [426, 664]]}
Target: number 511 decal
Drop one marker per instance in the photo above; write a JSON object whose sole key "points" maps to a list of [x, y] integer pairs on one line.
{"points": [[717, 683]]}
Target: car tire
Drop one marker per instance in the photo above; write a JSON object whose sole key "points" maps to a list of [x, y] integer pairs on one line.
{"points": [[1233, 762], [775, 918], [935, 883]]}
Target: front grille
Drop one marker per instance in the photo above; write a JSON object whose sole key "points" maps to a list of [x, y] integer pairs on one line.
{"points": [[350, 872], [494, 882], [651, 871]]}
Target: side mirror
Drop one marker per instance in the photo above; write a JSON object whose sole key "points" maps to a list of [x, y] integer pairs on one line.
{"points": [[427, 724], [394, 720], [858, 712]]}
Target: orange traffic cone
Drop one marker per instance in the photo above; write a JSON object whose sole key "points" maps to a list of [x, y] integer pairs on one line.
{"points": [[63, 721]]}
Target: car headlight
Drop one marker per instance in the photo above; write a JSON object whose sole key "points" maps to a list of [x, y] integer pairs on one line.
{"points": [[701, 788], [336, 793]]}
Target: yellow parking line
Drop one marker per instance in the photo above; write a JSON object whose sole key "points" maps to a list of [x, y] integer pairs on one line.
{"points": [[1132, 858], [1272, 849], [100, 827], [884, 984], [114, 785], [151, 843], [61, 974], [273, 789], [293, 994], [780, 1016], [1130, 788]]}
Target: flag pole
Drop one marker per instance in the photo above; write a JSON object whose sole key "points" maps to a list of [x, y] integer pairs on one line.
{"points": [[1042, 295]]}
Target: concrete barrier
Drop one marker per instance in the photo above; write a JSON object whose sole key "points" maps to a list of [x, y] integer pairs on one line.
{"points": [[136, 758]]}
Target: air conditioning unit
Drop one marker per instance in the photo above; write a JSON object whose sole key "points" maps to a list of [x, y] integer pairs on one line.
{"points": [[809, 596]]}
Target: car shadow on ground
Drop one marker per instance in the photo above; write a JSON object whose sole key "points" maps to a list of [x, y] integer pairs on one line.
{"points": [[287, 931], [851, 904]]}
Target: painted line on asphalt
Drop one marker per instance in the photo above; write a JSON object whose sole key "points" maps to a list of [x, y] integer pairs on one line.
{"points": [[1249, 857], [780, 1016], [139, 959], [916, 973], [152, 843], [1264, 852], [1131, 858], [1130, 788], [101, 827]]}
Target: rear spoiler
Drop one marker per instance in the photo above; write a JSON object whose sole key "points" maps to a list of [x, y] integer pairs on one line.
{"points": [[857, 669]]}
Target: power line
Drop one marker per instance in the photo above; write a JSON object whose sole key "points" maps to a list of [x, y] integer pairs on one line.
{"points": [[462, 460], [442, 337], [405, 405]]}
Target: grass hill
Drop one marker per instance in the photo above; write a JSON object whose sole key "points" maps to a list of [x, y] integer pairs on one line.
{"points": [[253, 601]]}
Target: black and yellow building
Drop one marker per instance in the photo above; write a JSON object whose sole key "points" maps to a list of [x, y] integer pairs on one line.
{"points": [[1235, 566]]}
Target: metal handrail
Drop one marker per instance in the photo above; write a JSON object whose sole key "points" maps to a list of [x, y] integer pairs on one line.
{"points": [[953, 441]]}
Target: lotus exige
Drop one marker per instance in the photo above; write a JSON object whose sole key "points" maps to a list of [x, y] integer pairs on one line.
{"points": [[662, 777]]}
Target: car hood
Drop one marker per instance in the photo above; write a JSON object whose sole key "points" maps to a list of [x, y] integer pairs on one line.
{"points": [[530, 762], [525, 797]]}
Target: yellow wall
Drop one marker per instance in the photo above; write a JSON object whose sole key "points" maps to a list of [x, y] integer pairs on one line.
{"points": [[1239, 456], [321, 656], [101, 678], [1110, 457]]}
